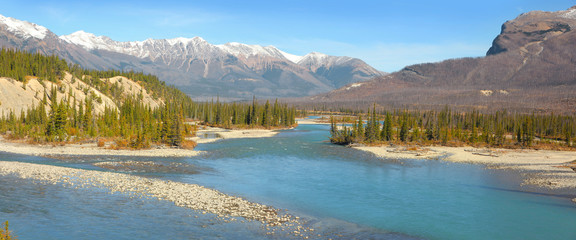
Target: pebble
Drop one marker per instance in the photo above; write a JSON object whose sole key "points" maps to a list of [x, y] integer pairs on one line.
{"points": [[181, 194]]}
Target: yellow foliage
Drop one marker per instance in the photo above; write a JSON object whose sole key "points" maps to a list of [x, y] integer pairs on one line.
{"points": [[188, 144], [121, 144], [6, 234], [101, 142]]}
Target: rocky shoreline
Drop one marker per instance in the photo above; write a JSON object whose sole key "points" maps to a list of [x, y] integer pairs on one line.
{"points": [[90, 149], [205, 200]]}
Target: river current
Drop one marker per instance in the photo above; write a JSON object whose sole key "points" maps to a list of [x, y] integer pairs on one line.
{"points": [[340, 192]]}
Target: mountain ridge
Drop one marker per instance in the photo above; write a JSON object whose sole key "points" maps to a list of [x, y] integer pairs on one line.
{"points": [[529, 67], [201, 69]]}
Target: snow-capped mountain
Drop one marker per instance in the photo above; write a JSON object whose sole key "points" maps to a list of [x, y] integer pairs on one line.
{"points": [[24, 29], [197, 48], [150, 48], [196, 66]]}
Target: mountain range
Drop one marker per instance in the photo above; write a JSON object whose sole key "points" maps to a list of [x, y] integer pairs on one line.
{"points": [[200, 69], [531, 66]]}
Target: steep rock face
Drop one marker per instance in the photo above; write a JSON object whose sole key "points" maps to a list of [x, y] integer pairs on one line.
{"points": [[530, 67], [532, 28]]}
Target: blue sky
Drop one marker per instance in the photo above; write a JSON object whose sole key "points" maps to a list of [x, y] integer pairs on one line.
{"points": [[386, 34]]}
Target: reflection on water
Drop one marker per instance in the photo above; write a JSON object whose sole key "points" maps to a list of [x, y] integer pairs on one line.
{"points": [[208, 135]]}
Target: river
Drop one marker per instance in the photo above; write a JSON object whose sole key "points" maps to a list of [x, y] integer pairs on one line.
{"points": [[340, 192]]}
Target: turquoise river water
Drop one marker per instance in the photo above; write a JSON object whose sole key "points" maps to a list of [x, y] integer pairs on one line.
{"points": [[339, 191]]}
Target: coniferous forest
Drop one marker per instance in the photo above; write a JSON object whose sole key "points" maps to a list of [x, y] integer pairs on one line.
{"points": [[133, 124], [242, 115], [448, 128]]}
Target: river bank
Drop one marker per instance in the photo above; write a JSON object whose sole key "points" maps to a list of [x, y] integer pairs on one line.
{"points": [[208, 134], [191, 196], [91, 148], [549, 169]]}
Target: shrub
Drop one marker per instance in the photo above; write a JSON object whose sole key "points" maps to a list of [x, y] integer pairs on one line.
{"points": [[101, 142], [121, 144], [188, 144], [6, 234]]}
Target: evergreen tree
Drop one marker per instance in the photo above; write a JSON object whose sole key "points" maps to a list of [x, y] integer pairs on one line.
{"points": [[404, 130], [387, 128]]}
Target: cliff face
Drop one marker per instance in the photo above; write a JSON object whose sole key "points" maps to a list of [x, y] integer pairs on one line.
{"points": [[531, 66], [533, 28]]}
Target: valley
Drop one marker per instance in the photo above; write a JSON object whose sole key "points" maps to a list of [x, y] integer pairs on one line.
{"points": [[180, 136]]}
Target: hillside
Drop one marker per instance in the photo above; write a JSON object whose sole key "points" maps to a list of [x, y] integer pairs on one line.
{"points": [[530, 67], [43, 99], [18, 96], [197, 67]]}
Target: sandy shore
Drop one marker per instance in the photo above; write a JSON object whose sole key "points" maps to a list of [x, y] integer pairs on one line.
{"points": [[550, 169], [90, 149], [186, 195], [310, 121], [222, 133]]}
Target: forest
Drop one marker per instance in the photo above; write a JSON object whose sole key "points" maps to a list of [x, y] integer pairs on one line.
{"points": [[450, 128], [243, 115], [133, 125]]}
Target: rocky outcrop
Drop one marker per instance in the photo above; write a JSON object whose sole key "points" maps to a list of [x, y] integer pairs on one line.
{"points": [[533, 27], [532, 61]]}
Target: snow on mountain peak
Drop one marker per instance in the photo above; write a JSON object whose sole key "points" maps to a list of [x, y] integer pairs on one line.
{"points": [[237, 49], [293, 58], [185, 41], [23, 28], [246, 50], [195, 46], [570, 13], [87, 40], [316, 58]]}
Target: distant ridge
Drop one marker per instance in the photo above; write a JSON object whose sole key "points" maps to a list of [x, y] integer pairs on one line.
{"points": [[201, 69], [530, 67]]}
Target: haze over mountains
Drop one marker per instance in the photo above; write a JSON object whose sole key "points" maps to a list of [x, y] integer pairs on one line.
{"points": [[530, 66], [201, 69]]}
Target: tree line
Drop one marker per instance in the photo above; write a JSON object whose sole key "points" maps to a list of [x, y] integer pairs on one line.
{"points": [[245, 115], [19, 65], [133, 124], [499, 129]]}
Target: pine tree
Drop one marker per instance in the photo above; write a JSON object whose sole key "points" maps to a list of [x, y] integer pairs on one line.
{"points": [[404, 130], [387, 128], [253, 113], [266, 115], [360, 135]]}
